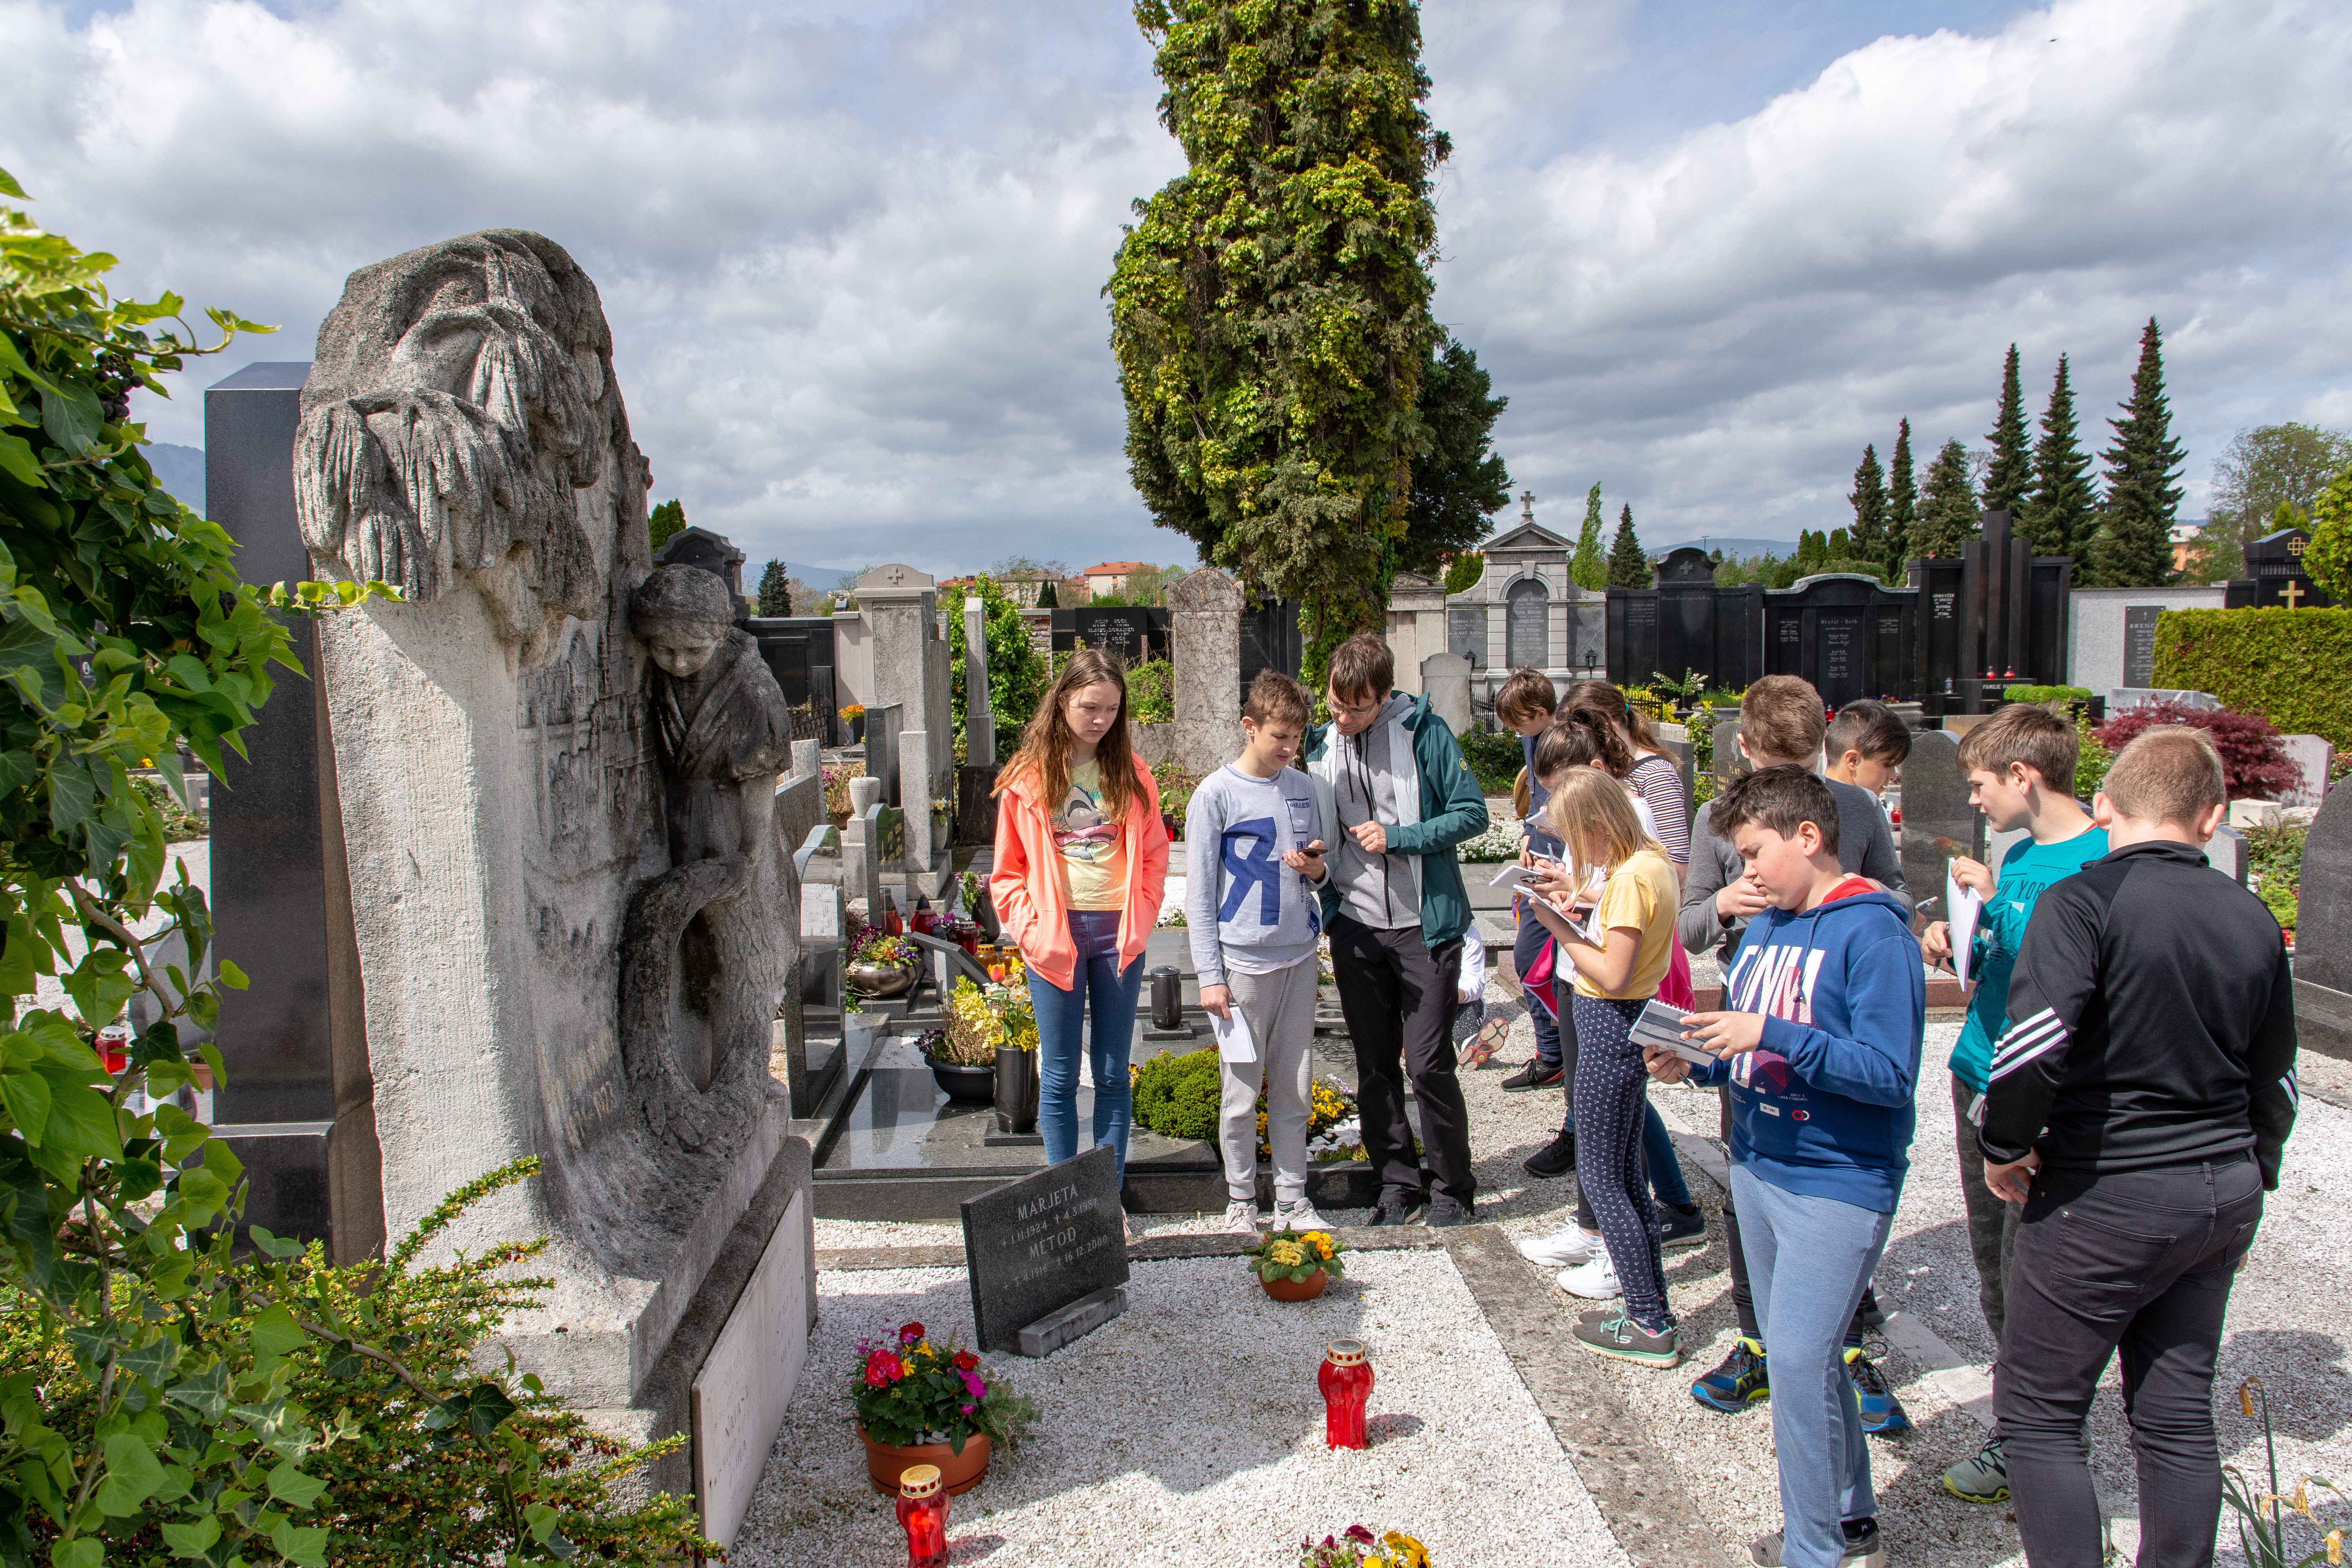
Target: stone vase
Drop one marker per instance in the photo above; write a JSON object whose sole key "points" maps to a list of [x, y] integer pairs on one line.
{"points": [[1304, 1290], [1016, 1089], [958, 1474]]}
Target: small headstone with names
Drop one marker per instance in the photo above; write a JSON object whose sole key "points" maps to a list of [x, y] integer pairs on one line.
{"points": [[2140, 645], [1938, 823], [1048, 1255]]}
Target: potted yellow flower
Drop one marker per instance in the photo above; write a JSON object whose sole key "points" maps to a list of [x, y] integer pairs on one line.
{"points": [[1295, 1264]]}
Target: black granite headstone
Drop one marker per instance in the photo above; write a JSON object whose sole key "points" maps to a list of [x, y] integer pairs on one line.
{"points": [[1527, 625], [882, 725], [2140, 645], [1038, 1244], [1938, 823], [1271, 639], [2275, 576], [1134, 632], [2323, 927]]}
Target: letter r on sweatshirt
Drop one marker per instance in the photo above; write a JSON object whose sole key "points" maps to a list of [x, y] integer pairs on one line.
{"points": [[1248, 856]]}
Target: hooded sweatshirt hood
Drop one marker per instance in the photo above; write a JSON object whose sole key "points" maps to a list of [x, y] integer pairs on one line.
{"points": [[1823, 1107]]}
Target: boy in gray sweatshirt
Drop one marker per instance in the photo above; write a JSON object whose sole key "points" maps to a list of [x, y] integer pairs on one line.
{"points": [[1254, 853]]}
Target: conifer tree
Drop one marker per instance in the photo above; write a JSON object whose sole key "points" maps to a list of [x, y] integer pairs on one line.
{"points": [[775, 590], [1868, 539], [1047, 599], [1628, 567], [664, 521], [1902, 507], [1948, 514], [2011, 479], [2061, 513], [1588, 568], [2135, 547]]}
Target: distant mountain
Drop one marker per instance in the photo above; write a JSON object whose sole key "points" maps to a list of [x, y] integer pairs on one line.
{"points": [[182, 472]]}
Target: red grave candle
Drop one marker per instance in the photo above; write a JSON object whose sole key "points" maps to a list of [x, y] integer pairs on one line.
{"points": [[923, 1513], [1346, 1380]]}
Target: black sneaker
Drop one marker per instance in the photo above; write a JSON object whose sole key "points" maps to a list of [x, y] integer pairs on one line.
{"points": [[1397, 1211], [1684, 1226], [1556, 1157], [1536, 1074], [1862, 1549], [1444, 1213]]}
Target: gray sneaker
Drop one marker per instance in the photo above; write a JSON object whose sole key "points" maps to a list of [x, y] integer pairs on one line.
{"points": [[1444, 1211], [1984, 1478], [1626, 1340]]}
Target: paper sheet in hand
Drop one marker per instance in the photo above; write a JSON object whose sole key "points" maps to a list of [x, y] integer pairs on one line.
{"points": [[1962, 906], [1660, 1027], [1233, 1041], [1513, 876]]}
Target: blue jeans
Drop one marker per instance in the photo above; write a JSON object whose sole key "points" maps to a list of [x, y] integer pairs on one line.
{"points": [[1809, 1260], [1658, 1153], [1060, 1018]]}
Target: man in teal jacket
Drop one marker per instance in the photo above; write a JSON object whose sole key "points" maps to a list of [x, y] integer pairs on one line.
{"points": [[1395, 797]]}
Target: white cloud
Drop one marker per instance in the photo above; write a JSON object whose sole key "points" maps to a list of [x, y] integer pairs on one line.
{"points": [[853, 253]]}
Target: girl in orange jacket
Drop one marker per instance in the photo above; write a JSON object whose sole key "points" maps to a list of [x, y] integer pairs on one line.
{"points": [[1081, 860]]}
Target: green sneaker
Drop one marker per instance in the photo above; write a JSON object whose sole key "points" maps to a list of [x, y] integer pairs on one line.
{"points": [[1984, 1478]]}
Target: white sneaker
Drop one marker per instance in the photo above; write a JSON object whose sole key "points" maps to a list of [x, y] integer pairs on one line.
{"points": [[1240, 1218], [1561, 1248], [1595, 1280], [1300, 1215]]}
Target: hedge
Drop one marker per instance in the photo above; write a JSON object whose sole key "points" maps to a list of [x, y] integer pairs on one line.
{"points": [[2292, 667]]}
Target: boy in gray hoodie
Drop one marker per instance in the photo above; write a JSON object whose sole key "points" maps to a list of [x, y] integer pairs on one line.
{"points": [[1254, 853]]}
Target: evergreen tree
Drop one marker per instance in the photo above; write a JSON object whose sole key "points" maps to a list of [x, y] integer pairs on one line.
{"points": [[1270, 305], [775, 590], [2135, 548], [1949, 513], [2011, 479], [1046, 598], [1868, 540], [2061, 513], [1628, 567], [1902, 507], [1588, 568], [1459, 482], [665, 520]]}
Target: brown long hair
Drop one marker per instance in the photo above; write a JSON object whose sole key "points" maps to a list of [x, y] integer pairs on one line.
{"points": [[1601, 694], [1045, 752]]}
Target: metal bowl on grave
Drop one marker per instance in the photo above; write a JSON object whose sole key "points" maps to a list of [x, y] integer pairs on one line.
{"points": [[880, 979]]}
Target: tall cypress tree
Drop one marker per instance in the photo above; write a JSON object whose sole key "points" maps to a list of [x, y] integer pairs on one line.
{"points": [[1902, 506], [1588, 568], [1628, 567], [2061, 512], [775, 589], [2011, 479], [2135, 548], [1947, 510], [1867, 542]]}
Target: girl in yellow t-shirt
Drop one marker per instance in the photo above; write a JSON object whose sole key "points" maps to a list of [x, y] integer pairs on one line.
{"points": [[1593, 817]]}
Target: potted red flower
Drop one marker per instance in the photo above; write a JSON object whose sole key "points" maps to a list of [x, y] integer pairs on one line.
{"points": [[923, 1403]]}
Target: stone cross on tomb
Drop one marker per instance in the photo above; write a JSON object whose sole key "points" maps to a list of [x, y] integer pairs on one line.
{"points": [[1527, 506], [897, 575]]}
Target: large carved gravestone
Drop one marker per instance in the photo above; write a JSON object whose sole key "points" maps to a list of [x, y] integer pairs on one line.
{"points": [[1204, 620], [573, 915]]}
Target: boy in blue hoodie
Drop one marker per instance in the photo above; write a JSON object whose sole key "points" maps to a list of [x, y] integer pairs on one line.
{"points": [[1821, 1057]]}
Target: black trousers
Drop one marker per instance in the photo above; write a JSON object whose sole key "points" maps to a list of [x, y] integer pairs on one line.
{"points": [[1398, 994], [2139, 1261]]}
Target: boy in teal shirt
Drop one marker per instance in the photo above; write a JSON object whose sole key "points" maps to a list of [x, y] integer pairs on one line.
{"points": [[2021, 768]]}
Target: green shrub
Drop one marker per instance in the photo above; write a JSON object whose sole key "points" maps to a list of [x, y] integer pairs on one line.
{"points": [[2091, 766], [2046, 694], [2292, 667], [2275, 867], [1179, 1096], [1494, 757], [1151, 692]]}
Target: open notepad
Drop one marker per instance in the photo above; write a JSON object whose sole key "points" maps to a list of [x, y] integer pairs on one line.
{"points": [[1660, 1027]]}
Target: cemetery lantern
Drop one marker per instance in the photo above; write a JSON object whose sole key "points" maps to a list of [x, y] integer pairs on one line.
{"points": [[1346, 1380], [923, 1512]]}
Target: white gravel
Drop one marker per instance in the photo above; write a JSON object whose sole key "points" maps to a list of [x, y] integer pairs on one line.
{"points": [[1189, 1431]]}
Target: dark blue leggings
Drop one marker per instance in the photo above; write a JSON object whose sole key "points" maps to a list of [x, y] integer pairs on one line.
{"points": [[1612, 1092]]}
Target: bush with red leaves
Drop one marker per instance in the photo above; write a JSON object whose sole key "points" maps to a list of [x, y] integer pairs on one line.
{"points": [[2253, 763]]}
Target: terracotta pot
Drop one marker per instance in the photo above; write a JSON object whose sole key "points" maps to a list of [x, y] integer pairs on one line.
{"points": [[885, 1464], [1304, 1290]]}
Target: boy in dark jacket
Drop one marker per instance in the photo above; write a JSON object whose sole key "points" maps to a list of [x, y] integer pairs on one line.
{"points": [[1820, 1057], [2140, 1100], [1395, 797]]}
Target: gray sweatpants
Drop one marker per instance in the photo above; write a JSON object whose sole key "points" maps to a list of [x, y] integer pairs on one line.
{"points": [[1280, 1011]]}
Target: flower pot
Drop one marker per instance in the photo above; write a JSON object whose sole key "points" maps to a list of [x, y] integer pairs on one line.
{"points": [[880, 979], [1016, 1089], [885, 1464], [1304, 1290], [857, 731], [971, 1086]]}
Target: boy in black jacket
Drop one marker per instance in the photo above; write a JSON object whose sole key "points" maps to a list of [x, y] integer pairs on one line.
{"points": [[2139, 1106]]}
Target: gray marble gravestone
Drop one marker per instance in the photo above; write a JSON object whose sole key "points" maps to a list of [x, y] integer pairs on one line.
{"points": [[1204, 632], [1048, 1255], [1938, 823], [2312, 755], [2323, 931], [1445, 677], [555, 771]]}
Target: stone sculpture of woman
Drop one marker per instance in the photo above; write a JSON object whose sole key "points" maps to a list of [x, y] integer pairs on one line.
{"points": [[708, 944]]}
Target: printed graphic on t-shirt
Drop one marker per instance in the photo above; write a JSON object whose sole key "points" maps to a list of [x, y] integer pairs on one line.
{"points": [[1081, 831], [1248, 856], [1777, 982]]}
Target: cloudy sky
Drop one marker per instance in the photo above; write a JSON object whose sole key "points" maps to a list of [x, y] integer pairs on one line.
{"points": [[852, 250]]}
